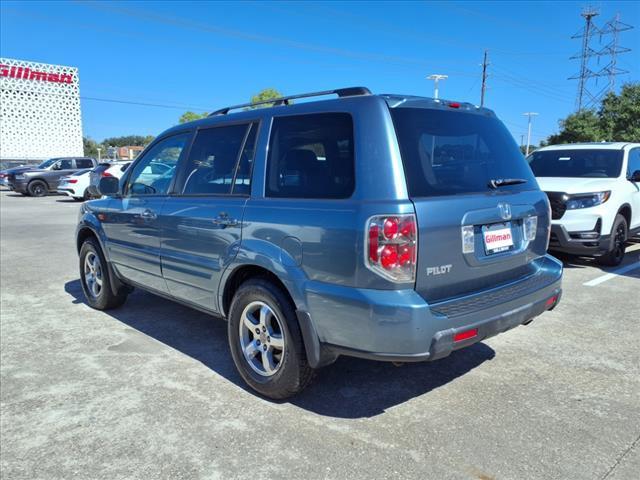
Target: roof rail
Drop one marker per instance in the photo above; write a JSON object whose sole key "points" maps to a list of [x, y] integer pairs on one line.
{"points": [[341, 92]]}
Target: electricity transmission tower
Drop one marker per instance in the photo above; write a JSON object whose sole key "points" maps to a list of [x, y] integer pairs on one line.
{"points": [[589, 94]]}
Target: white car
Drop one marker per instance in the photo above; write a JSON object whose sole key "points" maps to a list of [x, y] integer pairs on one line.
{"points": [[75, 185], [594, 191]]}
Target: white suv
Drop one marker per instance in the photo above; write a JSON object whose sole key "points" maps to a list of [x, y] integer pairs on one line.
{"points": [[594, 191]]}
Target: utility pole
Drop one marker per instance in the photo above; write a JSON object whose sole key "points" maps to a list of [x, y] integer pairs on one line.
{"points": [[99, 154], [485, 64], [436, 78], [529, 114]]}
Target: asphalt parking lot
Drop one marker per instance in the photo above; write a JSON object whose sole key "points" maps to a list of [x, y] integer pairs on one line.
{"points": [[150, 391]]}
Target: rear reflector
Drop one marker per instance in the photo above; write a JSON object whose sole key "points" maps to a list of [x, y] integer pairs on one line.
{"points": [[459, 337], [551, 302]]}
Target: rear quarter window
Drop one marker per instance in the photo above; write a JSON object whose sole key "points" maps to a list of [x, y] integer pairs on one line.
{"points": [[311, 156]]}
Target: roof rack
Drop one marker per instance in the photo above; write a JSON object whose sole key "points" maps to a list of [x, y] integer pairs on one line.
{"points": [[341, 92]]}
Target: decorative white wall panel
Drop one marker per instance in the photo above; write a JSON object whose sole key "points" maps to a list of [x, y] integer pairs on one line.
{"points": [[39, 111]]}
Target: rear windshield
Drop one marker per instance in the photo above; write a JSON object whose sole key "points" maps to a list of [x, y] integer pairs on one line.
{"points": [[594, 163], [452, 152]]}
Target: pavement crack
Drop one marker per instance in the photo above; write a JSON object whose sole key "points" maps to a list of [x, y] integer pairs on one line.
{"points": [[620, 458]]}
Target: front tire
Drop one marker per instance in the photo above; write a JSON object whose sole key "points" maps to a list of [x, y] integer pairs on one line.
{"points": [[95, 280], [619, 234], [266, 342], [37, 188]]}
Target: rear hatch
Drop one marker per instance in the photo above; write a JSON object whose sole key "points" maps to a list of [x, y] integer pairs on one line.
{"points": [[481, 217]]}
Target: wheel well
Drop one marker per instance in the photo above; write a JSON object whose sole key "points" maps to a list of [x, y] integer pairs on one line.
{"points": [[38, 180], [243, 274], [625, 211], [83, 235]]}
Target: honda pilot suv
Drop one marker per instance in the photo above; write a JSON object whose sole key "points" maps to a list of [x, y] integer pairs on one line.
{"points": [[387, 227]]}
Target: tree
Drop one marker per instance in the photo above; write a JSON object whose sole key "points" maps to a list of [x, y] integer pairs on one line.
{"points": [[191, 116], [617, 120], [266, 94], [620, 114], [128, 140], [90, 147], [581, 126]]}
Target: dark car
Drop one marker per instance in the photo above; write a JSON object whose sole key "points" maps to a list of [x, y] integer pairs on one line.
{"points": [[7, 175], [38, 182], [387, 227]]}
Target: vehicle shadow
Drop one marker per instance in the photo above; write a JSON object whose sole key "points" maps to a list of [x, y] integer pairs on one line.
{"points": [[350, 388], [68, 200]]}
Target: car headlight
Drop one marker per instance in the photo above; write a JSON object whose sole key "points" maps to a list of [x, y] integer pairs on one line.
{"points": [[586, 200]]}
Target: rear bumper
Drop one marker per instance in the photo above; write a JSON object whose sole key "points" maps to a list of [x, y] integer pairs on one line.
{"points": [[399, 326], [571, 242], [69, 192], [20, 187]]}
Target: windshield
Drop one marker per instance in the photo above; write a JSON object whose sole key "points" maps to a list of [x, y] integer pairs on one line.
{"points": [[48, 163], [452, 152], [594, 163]]}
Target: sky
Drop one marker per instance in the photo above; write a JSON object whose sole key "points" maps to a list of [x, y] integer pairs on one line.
{"points": [[200, 56]]}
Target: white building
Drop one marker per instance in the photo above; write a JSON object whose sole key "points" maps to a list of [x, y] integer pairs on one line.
{"points": [[39, 111]]}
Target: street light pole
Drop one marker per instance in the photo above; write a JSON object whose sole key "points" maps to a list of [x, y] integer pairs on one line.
{"points": [[436, 78], [529, 114]]}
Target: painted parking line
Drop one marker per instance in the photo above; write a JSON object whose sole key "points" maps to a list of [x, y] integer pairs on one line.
{"points": [[614, 274]]}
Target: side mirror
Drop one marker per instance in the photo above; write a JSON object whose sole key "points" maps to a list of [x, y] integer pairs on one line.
{"points": [[109, 186], [635, 176]]}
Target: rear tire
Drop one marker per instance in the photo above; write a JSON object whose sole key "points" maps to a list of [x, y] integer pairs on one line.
{"points": [[95, 279], [619, 234], [266, 342], [38, 188]]}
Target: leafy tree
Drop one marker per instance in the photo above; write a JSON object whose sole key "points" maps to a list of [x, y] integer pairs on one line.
{"points": [[620, 114], [617, 119], [191, 116], [266, 94], [583, 126], [90, 147], [128, 140]]}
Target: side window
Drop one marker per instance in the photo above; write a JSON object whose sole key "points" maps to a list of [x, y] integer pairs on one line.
{"points": [[213, 159], [84, 163], [152, 175], [242, 184], [311, 156], [634, 161], [66, 164]]}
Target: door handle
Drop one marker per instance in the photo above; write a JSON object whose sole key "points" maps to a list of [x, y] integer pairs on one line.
{"points": [[149, 214], [223, 220]]}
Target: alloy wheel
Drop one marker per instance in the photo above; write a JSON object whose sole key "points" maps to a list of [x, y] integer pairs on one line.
{"points": [[262, 338], [93, 274]]}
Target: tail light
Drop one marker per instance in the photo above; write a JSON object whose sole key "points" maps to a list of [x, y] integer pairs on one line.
{"points": [[106, 174], [530, 228], [72, 180], [391, 247]]}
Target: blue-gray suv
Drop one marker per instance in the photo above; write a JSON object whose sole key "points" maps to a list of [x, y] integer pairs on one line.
{"points": [[387, 227]]}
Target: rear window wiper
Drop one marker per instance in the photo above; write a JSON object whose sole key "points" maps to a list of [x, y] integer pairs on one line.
{"points": [[501, 182]]}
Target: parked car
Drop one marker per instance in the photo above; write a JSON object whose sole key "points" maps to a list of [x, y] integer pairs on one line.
{"points": [[108, 169], [7, 176], [39, 182], [594, 190], [75, 185], [386, 227]]}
